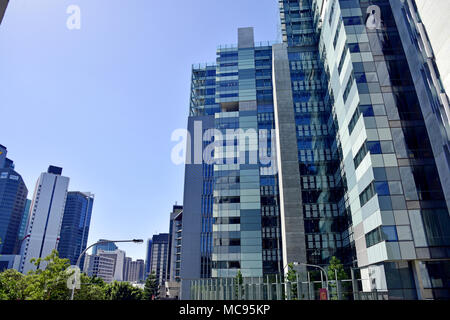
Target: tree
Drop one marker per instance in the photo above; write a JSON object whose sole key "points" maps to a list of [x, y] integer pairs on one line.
{"points": [[239, 282], [123, 291], [292, 278], [50, 283], [151, 288], [12, 285], [336, 268], [92, 288]]}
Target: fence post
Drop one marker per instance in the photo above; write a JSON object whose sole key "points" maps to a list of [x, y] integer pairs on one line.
{"points": [[299, 290], [269, 289], [278, 288], [354, 285], [338, 286], [260, 289], [288, 290], [311, 290], [217, 288]]}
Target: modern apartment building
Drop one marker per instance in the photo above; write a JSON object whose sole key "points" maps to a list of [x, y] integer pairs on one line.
{"points": [[46, 215], [158, 261], [231, 212], [13, 197], [75, 225], [394, 158], [361, 145]]}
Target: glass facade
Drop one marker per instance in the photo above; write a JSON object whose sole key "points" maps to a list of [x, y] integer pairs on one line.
{"points": [[357, 171], [75, 226], [13, 197]]}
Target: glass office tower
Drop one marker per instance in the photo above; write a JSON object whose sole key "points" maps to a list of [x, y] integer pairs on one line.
{"points": [[13, 197], [75, 226]]}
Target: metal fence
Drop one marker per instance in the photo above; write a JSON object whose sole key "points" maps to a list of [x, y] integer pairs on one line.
{"points": [[278, 288]]}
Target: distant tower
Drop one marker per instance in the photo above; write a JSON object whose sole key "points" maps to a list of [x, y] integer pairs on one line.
{"points": [[75, 226], [45, 219], [13, 195]]}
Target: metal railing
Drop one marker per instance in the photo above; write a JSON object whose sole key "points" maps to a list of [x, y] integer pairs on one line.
{"points": [[279, 289]]}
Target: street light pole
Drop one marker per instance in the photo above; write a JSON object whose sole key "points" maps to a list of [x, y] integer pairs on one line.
{"points": [[97, 243], [319, 267]]}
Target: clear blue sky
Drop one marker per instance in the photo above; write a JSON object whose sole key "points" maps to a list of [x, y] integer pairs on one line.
{"points": [[102, 101]]}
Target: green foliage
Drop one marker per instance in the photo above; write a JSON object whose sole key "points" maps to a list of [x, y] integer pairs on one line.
{"points": [[151, 288], [123, 291], [50, 283], [336, 268], [92, 288], [292, 278], [239, 281], [12, 285]]}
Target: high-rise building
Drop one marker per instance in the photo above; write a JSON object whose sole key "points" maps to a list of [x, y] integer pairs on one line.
{"points": [[148, 257], [174, 255], [361, 143], [13, 196], [136, 271], [231, 217], [126, 268], [119, 262], [3, 5], [75, 226], [46, 214], [108, 246], [158, 261], [394, 149], [100, 266]]}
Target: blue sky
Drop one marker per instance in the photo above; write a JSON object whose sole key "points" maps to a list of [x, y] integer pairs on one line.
{"points": [[102, 101]]}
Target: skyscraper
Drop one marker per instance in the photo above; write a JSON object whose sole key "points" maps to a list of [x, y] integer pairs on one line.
{"points": [[231, 212], [174, 255], [361, 143], [148, 257], [45, 219], [158, 261], [75, 225], [392, 148], [13, 196]]}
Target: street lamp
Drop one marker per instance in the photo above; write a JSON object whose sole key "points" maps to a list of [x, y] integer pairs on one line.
{"points": [[319, 267], [97, 243]]}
